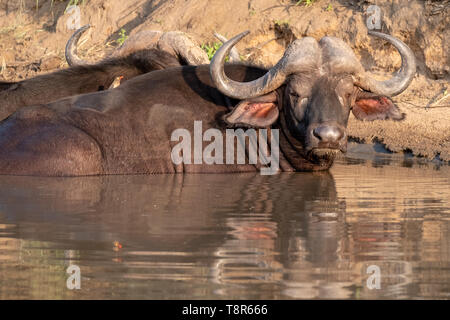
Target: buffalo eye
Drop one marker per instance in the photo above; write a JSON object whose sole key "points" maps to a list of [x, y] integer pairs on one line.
{"points": [[300, 109], [294, 94], [303, 102], [345, 98]]}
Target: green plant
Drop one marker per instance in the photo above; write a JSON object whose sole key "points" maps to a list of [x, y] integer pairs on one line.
{"points": [[307, 2], [330, 7], [211, 49], [281, 23], [122, 37]]}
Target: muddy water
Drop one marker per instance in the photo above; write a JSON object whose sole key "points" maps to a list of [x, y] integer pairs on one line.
{"points": [[290, 236]]}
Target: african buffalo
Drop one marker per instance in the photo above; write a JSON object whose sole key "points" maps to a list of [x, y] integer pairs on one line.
{"points": [[134, 58], [175, 43], [308, 96]]}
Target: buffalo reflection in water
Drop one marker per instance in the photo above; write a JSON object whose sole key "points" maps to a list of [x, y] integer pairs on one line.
{"points": [[243, 228]]}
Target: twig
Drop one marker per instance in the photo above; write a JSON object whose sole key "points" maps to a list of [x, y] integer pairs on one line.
{"points": [[259, 46], [435, 104], [410, 103], [441, 99], [434, 99], [441, 106]]}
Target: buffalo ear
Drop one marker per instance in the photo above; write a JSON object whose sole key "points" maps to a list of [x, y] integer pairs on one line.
{"points": [[259, 112], [369, 106]]}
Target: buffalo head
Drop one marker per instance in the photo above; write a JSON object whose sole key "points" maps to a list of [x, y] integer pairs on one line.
{"points": [[310, 92]]}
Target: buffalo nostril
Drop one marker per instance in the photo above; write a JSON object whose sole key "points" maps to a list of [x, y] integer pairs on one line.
{"points": [[327, 133]]}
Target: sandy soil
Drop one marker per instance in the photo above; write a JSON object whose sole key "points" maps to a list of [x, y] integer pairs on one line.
{"points": [[33, 35]]}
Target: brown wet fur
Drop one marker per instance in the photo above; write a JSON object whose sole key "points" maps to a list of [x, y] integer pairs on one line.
{"points": [[119, 131], [38, 145], [80, 79]]}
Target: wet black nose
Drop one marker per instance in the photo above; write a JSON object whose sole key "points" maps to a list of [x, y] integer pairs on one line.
{"points": [[328, 133]]}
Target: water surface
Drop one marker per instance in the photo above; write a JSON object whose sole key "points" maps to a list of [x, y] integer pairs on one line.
{"points": [[239, 236]]}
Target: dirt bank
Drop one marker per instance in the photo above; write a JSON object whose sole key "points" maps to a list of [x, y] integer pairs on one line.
{"points": [[33, 34]]}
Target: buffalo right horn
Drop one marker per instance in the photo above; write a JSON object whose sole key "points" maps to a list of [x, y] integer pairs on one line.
{"points": [[71, 48]]}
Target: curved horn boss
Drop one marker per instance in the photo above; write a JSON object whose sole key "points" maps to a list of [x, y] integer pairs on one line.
{"points": [[298, 56]]}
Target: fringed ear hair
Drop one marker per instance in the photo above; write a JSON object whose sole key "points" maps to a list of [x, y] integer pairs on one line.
{"points": [[369, 107]]}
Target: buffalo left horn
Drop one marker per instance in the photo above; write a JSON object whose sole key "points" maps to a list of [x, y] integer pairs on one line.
{"points": [[400, 80], [301, 55], [71, 48]]}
